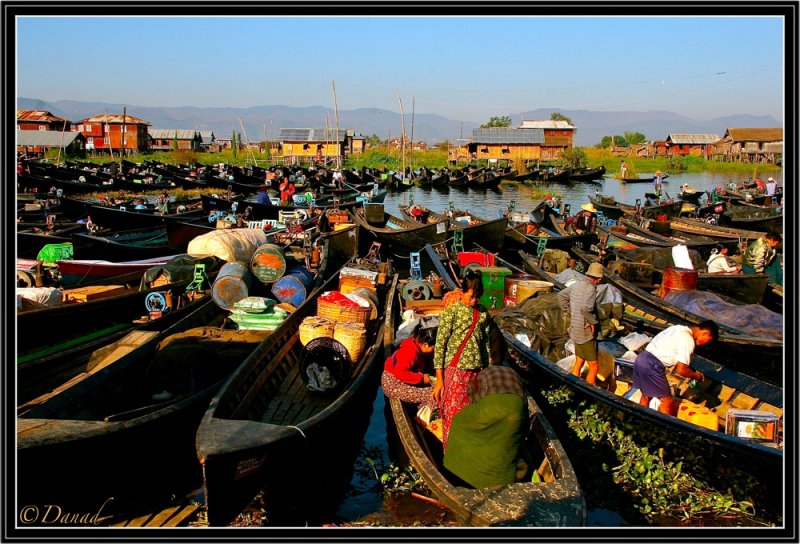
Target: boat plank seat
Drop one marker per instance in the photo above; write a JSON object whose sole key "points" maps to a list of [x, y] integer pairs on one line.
{"points": [[182, 516], [159, 519], [102, 358]]}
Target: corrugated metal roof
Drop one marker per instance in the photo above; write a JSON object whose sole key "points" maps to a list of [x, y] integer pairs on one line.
{"points": [[207, 136], [167, 133], [46, 138], [548, 124], [693, 138], [756, 134], [37, 115], [311, 135], [507, 136], [113, 119]]}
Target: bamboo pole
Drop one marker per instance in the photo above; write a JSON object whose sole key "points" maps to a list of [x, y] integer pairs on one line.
{"points": [[336, 119], [413, 100]]}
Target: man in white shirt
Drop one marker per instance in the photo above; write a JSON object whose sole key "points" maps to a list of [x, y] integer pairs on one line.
{"points": [[672, 347]]}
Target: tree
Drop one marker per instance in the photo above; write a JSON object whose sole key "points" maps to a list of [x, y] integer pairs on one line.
{"points": [[233, 144], [498, 122], [616, 140], [373, 140], [175, 141], [574, 157], [555, 116], [635, 137]]}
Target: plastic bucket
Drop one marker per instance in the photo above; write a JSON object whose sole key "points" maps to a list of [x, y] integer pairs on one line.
{"points": [[268, 263], [678, 279], [231, 285], [294, 286]]}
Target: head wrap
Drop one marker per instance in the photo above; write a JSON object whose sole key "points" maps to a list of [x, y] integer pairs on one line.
{"points": [[496, 380]]}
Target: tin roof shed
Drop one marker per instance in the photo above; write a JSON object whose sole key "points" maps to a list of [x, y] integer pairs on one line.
{"points": [[46, 138], [692, 139], [312, 135], [507, 136]]}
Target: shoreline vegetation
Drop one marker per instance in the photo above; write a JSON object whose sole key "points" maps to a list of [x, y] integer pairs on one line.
{"points": [[437, 158]]}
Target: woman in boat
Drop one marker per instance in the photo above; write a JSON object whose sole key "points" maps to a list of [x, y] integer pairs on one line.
{"points": [[162, 203], [718, 262], [263, 197], [672, 347], [487, 436], [462, 350], [287, 191], [404, 372], [585, 220]]}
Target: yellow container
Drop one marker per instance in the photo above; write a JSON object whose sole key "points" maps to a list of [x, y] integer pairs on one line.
{"points": [[699, 415]]}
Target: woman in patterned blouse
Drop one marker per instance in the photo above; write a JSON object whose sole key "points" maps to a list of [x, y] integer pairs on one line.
{"points": [[462, 350]]}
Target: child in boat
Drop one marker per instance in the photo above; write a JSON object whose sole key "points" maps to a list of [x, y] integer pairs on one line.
{"points": [[462, 350], [404, 377], [718, 262]]}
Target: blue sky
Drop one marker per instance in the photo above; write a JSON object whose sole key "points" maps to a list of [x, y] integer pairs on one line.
{"points": [[464, 68]]}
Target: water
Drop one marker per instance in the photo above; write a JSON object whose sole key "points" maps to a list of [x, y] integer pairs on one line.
{"points": [[489, 203]]}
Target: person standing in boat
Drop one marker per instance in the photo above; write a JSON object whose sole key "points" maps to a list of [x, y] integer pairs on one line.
{"points": [[623, 170], [672, 347], [718, 262], [462, 350], [404, 372], [577, 304], [657, 183], [760, 256], [287, 191], [263, 197], [162, 202]]}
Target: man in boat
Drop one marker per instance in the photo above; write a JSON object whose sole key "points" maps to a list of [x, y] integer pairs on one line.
{"points": [[162, 202], [577, 304], [623, 170], [672, 347], [585, 220], [760, 256], [657, 183]]}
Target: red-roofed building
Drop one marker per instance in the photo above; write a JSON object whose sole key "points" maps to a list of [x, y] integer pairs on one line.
{"points": [[40, 120], [105, 133]]}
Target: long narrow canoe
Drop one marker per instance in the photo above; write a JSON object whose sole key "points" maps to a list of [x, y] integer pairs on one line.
{"points": [[476, 230], [398, 237]]}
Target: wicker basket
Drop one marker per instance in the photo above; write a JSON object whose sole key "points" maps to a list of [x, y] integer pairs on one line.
{"points": [[315, 327], [353, 336], [338, 313]]}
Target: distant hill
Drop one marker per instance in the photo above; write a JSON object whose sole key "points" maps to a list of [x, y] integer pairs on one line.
{"points": [[265, 122]]}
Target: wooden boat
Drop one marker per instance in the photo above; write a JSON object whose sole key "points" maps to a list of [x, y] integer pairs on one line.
{"points": [[739, 288], [542, 227], [397, 236], [96, 309], [753, 218], [123, 218], [559, 176], [557, 501], [80, 271], [690, 195], [121, 245], [708, 230], [30, 240], [629, 233], [716, 457], [587, 174], [643, 179], [732, 350], [269, 211], [488, 232], [265, 420], [614, 210]]}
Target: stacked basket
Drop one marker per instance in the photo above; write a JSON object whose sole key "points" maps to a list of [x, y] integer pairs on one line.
{"points": [[341, 318]]}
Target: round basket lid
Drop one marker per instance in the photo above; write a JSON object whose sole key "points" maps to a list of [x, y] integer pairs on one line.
{"points": [[324, 365]]}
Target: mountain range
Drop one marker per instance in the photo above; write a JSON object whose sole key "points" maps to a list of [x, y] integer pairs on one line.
{"points": [[264, 122]]}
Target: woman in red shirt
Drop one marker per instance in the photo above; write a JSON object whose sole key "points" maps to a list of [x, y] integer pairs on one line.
{"points": [[404, 377]]}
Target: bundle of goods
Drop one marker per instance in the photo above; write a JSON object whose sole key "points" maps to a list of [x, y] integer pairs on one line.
{"points": [[257, 313], [342, 318]]}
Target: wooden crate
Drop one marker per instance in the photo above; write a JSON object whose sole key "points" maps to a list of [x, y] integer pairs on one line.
{"points": [[93, 292]]}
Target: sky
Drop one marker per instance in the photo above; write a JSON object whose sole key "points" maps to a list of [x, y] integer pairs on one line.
{"points": [[464, 68]]}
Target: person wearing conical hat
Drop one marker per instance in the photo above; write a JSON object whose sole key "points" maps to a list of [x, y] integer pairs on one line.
{"points": [[578, 306], [586, 219]]}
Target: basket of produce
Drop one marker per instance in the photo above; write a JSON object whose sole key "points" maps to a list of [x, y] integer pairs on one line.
{"points": [[315, 327], [337, 307], [352, 336]]}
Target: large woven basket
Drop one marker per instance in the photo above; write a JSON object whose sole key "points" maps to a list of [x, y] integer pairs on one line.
{"points": [[350, 314], [353, 336], [315, 327]]}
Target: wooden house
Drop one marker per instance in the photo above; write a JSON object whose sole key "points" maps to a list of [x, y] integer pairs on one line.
{"points": [[558, 136], [690, 144], [37, 142], [40, 120], [749, 145], [506, 143], [207, 140], [311, 145], [108, 133], [659, 148], [164, 139]]}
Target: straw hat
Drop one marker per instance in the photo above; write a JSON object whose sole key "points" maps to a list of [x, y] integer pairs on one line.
{"points": [[589, 207], [658, 172], [595, 270], [770, 179]]}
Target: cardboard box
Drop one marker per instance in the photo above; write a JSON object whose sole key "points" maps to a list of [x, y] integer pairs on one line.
{"points": [[753, 425]]}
